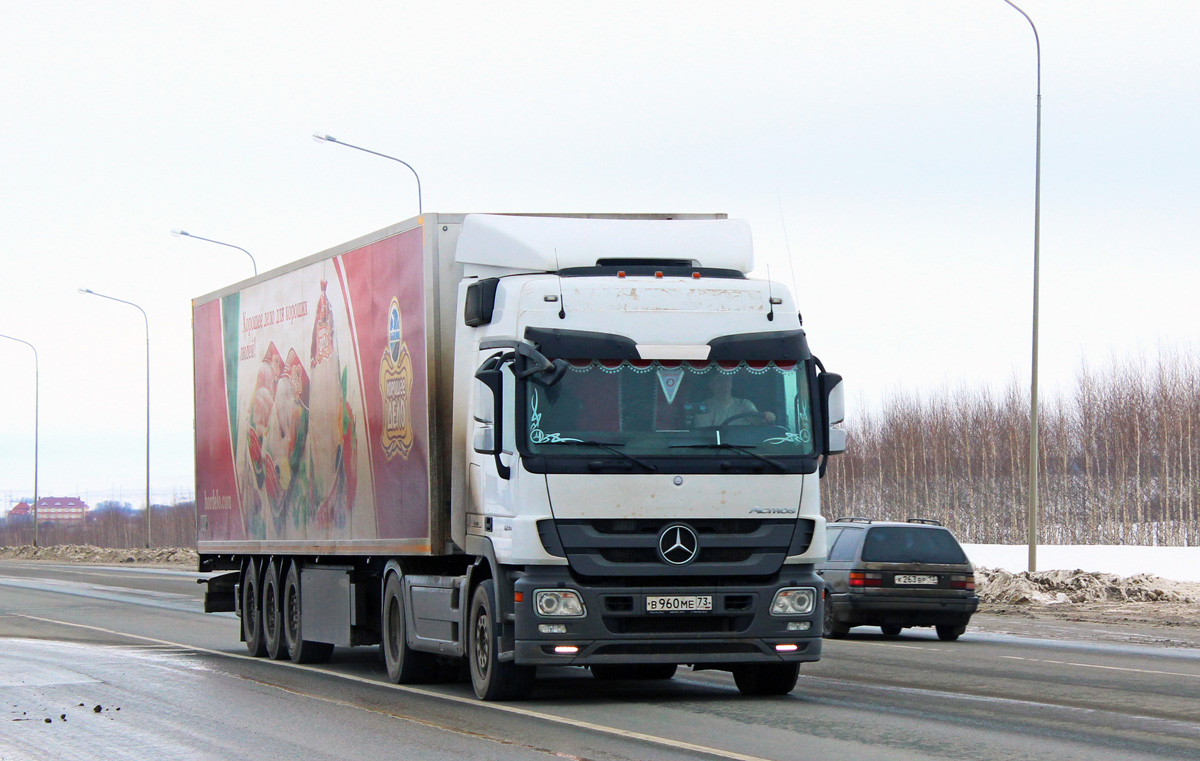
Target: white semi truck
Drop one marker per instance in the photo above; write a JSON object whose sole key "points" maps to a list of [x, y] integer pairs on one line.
{"points": [[497, 442]]}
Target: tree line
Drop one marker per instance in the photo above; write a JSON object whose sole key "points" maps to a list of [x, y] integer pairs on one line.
{"points": [[1119, 459]]}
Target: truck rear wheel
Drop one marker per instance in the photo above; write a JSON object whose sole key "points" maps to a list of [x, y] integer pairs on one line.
{"points": [[492, 678], [404, 665], [766, 678], [272, 614], [252, 625], [298, 649]]}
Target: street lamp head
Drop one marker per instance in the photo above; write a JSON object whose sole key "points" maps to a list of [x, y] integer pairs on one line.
{"points": [[324, 138], [177, 233], [86, 291]]}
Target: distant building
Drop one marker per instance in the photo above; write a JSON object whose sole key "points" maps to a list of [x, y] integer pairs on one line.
{"points": [[61, 510], [22, 512]]}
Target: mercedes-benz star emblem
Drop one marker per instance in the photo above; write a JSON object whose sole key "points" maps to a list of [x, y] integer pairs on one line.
{"points": [[678, 544]]}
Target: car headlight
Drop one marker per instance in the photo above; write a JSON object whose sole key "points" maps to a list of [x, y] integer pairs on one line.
{"points": [[556, 603], [794, 601]]}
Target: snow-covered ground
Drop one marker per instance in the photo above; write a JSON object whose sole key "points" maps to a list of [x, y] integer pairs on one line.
{"points": [[1178, 563]]}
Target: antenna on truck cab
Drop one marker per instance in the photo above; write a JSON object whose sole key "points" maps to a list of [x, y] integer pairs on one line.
{"points": [[770, 296], [788, 246], [562, 304]]}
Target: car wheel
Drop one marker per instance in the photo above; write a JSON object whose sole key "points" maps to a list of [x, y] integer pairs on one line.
{"points": [[949, 633], [891, 631], [766, 678], [834, 629], [492, 678]]}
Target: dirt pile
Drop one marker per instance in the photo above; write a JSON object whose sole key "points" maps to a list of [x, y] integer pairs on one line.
{"points": [[82, 553], [1057, 587]]}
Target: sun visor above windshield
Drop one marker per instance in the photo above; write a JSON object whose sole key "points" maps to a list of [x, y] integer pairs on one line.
{"points": [[581, 344], [761, 347]]}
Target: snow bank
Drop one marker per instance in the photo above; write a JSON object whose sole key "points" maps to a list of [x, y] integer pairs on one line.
{"points": [[1050, 587], [1177, 563], [82, 553]]}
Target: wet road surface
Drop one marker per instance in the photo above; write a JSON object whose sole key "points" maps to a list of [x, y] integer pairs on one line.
{"points": [[136, 639]]}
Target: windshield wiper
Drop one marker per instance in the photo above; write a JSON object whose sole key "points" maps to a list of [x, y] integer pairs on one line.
{"points": [[724, 445], [611, 446]]}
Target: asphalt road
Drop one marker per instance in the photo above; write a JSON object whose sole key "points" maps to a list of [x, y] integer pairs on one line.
{"points": [[171, 682]]}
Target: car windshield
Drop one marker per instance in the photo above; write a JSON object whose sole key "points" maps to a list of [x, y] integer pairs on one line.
{"points": [[909, 544], [680, 409]]}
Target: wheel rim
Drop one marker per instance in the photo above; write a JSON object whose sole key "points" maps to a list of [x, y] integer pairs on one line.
{"points": [[483, 646]]}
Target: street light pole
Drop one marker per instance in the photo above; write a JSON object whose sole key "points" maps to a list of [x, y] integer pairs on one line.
{"points": [[186, 234], [35, 432], [1033, 393], [145, 319], [331, 139]]}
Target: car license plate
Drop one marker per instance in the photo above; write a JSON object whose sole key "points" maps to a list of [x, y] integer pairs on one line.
{"points": [[907, 579], [678, 603]]}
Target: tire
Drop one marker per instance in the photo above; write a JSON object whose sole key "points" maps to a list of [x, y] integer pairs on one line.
{"points": [[891, 631], [833, 629], [766, 678], [298, 649], [404, 665], [252, 625], [492, 678], [949, 633], [615, 672], [272, 613]]}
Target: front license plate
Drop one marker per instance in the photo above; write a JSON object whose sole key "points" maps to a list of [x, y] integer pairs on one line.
{"points": [[904, 579], [678, 603]]}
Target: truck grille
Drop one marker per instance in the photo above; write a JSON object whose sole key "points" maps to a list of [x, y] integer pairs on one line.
{"points": [[629, 547]]}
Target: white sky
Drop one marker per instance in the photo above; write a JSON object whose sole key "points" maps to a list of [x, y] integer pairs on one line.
{"points": [[897, 136]]}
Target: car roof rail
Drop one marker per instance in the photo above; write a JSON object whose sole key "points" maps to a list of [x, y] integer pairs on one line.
{"points": [[852, 519], [926, 521]]}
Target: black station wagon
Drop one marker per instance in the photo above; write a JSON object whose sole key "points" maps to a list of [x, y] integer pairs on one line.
{"points": [[896, 575]]}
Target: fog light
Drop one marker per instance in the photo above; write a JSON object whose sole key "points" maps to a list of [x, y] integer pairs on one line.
{"points": [[552, 628], [554, 603], [786, 648], [566, 649], [799, 626], [793, 601]]}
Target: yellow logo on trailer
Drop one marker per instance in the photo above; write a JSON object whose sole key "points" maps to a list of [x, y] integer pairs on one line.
{"points": [[395, 383]]}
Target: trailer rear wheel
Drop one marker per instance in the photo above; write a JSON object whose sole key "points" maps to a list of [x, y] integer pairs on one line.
{"points": [[252, 625], [766, 678], [272, 613], [404, 665], [492, 678], [299, 649]]}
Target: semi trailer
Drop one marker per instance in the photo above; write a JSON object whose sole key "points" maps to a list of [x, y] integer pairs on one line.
{"points": [[492, 442]]}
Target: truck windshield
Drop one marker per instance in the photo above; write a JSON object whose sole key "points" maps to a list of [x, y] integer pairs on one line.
{"points": [[672, 408]]}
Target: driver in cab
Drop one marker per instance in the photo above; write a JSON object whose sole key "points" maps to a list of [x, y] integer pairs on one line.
{"points": [[723, 407]]}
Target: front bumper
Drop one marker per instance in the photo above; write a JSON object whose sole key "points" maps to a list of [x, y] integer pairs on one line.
{"points": [[877, 610], [617, 628]]}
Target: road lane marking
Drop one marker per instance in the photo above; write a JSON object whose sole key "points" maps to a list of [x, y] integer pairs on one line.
{"points": [[1097, 666], [549, 717]]}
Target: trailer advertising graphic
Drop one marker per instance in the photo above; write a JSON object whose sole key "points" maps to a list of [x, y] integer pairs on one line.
{"points": [[311, 419]]}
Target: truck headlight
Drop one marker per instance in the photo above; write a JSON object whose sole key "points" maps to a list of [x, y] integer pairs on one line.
{"points": [[556, 603], [793, 601]]}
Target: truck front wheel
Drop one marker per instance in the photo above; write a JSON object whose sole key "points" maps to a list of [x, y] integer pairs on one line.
{"points": [[492, 678], [404, 665], [766, 678]]}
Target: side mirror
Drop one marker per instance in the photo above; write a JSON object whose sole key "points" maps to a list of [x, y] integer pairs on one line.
{"points": [[552, 376], [490, 375], [485, 404], [833, 411]]}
